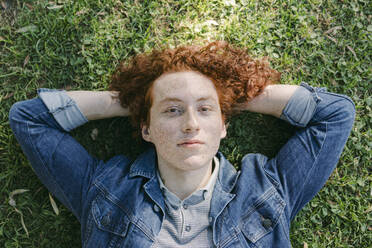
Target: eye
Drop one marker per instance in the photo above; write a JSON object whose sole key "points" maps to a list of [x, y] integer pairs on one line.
{"points": [[205, 109], [174, 110]]}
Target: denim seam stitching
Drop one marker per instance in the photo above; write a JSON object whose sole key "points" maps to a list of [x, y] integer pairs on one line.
{"points": [[313, 91], [143, 229], [268, 193], [345, 97], [135, 221], [116, 233], [88, 232], [132, 220], [61, 108], [284, 229], [235, 229], [276, 183], [55, 110], [95, 181], [113, 200], [101, 176], [340, 95], [228, 240], [292, 120]]}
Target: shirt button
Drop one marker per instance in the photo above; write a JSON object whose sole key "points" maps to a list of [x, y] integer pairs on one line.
{"points": [[266, 223], [188, 228], [156, 208], [210, 219], [185, 206], [205, 194]]}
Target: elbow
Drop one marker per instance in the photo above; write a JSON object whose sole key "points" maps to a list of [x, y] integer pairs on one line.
{"points": [[344, 113], [348, 110], [14, 115], [18, 116], [338, 111]]}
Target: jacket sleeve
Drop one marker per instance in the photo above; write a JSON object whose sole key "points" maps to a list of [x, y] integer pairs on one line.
{"points": [[41, 127], [306, 161]]}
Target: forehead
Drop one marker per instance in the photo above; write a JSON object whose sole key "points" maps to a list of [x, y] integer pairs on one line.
{"points": [[183, 85]]}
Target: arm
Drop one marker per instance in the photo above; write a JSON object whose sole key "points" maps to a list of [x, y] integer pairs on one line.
{"points": [[272, 100], [41, 127], [98, 104], [305, 162]]}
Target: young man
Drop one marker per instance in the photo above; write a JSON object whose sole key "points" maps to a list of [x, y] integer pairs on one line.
{"points": [[183, 192]]}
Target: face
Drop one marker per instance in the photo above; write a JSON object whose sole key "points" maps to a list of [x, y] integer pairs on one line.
{"points": [[186, 123]]}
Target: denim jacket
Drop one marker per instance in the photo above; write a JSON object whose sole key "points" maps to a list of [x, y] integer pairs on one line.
{"points": [[119, 202]]}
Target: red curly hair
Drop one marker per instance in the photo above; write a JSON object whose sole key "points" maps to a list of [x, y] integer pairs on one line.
{"points": [[236, 76]]}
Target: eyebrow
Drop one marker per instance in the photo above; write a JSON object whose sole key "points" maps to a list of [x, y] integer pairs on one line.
{"points": [[175, 99]]}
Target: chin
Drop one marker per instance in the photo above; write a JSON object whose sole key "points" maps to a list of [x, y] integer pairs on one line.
{"points": [[194, 162]]}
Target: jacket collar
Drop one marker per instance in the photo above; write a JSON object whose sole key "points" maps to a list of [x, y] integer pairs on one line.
{"points": [[146, 165]]}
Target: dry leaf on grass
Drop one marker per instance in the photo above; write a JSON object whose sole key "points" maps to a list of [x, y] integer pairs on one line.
{"points": [[12, 202], [54, 7], [29, 6], [352, 51], [81, 12], [94, 134], [29, 28], [332, 30], [22, 221], [9, 95], [331, 38], [368, 210], [54, 205], [27, 59], [4, 4]]}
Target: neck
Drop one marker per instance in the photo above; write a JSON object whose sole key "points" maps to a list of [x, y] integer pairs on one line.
{"points": [[184, 183]]}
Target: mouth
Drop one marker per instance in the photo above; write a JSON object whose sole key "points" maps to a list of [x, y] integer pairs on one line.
{"points": [[190, 143]]}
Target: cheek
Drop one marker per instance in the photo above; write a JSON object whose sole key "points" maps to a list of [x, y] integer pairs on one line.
{"points": [[162, 133], [217, 133], [213, 125]]}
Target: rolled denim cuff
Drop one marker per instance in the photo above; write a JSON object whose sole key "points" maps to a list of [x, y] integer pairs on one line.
{"points": [[64, 110], [302, 105]]}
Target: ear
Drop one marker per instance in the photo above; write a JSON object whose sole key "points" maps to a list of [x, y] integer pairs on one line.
{"points": [[145, 133], [223, 131]]}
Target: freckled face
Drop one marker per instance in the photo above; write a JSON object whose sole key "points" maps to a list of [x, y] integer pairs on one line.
{"points": [[186, 123]]}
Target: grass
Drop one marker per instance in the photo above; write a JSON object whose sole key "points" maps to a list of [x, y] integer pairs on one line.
{"points": [[77, 44]]}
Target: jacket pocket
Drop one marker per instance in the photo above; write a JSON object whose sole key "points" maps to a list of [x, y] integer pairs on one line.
{"points": [[109, 217], [107, 224], [263, 216]]}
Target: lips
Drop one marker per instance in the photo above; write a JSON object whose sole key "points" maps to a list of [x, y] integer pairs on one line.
{"points": [[190, 142]]}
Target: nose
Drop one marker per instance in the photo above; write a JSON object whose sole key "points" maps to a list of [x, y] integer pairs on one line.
{"points": [[191, 122]]}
